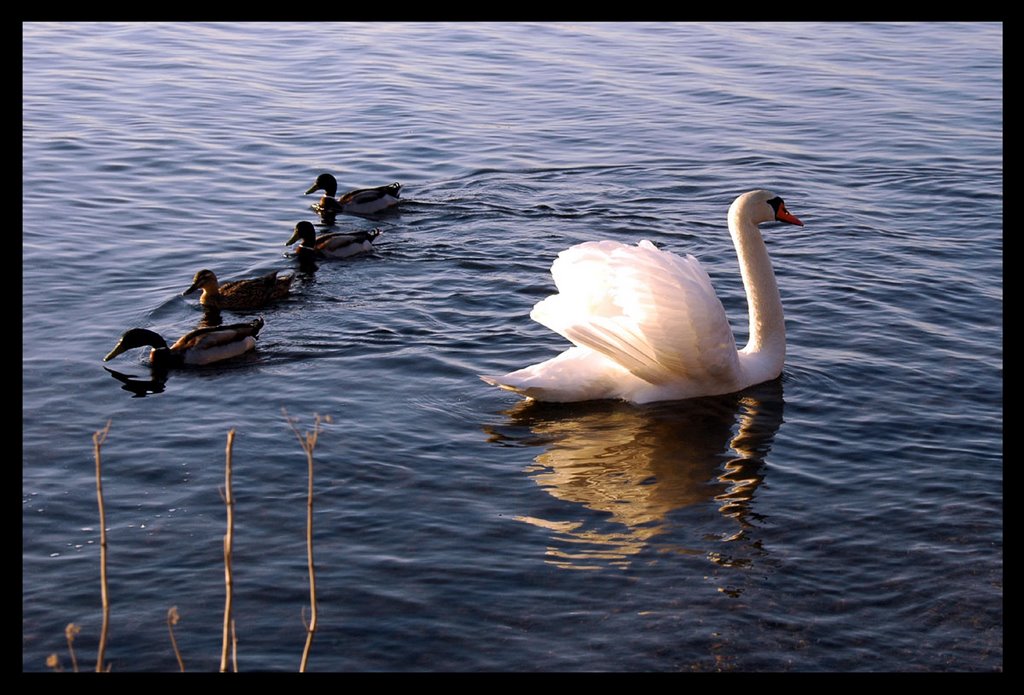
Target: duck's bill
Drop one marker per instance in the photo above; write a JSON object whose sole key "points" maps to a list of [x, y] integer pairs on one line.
{"points": [[294, 237], [312, 188], [118, 349], [191, 288]]}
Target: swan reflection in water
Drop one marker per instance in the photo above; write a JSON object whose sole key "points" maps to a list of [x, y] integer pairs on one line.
{"points": [[637, 465]]}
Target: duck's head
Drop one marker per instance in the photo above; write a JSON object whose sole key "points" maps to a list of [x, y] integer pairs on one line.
{"points": [[326, 183], [762, 206], [304, 232], [204, 278], [137, 337]]}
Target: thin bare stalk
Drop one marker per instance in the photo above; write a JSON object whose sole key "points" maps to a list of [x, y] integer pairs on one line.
{"points": [[229, 502], [172, 620], [97, 443], [308, 444], [70, 632], [234, 647]]}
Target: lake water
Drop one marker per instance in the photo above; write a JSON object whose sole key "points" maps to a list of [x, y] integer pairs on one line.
{"points": [[847, 517]]}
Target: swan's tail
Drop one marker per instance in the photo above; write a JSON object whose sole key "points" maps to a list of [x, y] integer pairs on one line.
{"points": [[578, 374], [501, 384], [530, 392]]}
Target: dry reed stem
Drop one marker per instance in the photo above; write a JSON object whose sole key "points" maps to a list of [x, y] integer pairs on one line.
{"points": [[234, 647], [172, 620], [97, 440], [229, 502], [70, 632], [308, 444]]}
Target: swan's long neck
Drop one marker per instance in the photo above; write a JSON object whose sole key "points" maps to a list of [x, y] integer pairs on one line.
{"points": [[767, 339]]}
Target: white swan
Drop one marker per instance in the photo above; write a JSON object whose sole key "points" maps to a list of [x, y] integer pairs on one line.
{"points": [[647, 324]]}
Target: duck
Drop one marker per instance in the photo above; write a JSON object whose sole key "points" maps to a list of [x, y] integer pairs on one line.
{"points": [[646, 324], [239, 294], [334, 244], [362, 201], [198, 347]]}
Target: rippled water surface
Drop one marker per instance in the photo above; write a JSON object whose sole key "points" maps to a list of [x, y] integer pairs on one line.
{"points": [[845, 517]]}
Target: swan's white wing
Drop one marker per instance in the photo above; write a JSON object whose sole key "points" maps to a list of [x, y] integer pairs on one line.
{"points": [[650, 311]]}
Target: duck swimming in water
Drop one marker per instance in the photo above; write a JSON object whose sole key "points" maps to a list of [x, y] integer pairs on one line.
{"points": [[239, 294], [331, 245], [362, 201], [198, 347]]}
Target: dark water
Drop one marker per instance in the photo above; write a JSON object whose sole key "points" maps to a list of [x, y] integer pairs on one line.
{"points": [[846, 517]]}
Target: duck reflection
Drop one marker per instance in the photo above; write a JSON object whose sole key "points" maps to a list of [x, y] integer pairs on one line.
{"points": [[140, 388], [637, 465], [211, 318], [306, 261]]}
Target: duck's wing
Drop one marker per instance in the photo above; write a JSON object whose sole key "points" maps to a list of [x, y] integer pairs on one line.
{"points": [[214, 336], [367, 196], [251, 293], [654, 313], [335, 242]]}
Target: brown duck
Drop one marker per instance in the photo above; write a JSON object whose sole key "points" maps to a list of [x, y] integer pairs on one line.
{"points": [[239, 294]]}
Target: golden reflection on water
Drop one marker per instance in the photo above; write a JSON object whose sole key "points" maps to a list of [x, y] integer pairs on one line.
{"points": [[636, 465]]}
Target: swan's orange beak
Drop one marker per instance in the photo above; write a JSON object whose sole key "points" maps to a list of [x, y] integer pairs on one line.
{"points": [[783, 215]]}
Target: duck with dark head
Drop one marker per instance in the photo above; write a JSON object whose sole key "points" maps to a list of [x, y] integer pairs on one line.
{"points": [[199, 347], [332, 244], [361, 201]]}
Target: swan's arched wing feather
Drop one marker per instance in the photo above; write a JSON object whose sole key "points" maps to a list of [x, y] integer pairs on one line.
{"points": [[653, 312], [616, 339], [683, 321]]}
